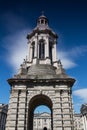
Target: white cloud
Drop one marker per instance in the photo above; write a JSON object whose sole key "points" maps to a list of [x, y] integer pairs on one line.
{"points": [[15, 42], [17, 48], [82, 94], [78, 51], [67, 63], [68, 57], [13, 22], [65, 59]]}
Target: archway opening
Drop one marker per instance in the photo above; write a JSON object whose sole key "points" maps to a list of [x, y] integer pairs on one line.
{"points": [[42, 118], [42, 109], [45, 128]]}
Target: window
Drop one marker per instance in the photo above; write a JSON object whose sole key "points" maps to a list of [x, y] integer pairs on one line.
{"points": [[42, 21], [34, 123], [50, 51], [39, 22], [44, 120], [41, 49], [45, 22], [33, 49], [45, 128]]}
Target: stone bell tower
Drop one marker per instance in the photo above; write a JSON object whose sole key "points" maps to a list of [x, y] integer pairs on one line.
{"points": [[41, 80]]}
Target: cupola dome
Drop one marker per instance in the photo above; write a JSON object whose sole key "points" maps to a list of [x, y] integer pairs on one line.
{"points": [[42, 20]]}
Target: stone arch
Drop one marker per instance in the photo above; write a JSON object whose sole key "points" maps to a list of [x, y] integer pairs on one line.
{"points": [[34, 102]]}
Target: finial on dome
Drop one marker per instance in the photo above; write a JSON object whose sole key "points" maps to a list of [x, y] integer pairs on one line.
{"points": [[42, 12]]}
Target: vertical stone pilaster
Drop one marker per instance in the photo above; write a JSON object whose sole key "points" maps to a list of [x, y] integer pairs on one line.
{"points": [[12, 111], [30, 56], [85, 122], [29, 44], [16, 119], [63, 111], [21, 110], [54, 52], [48, 60], [68, 120], [57, 112], [47, 48], [36, 45], [35, 50]]}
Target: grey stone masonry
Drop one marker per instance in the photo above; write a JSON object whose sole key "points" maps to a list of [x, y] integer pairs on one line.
{"points": [[26, 95], [3, 115]]}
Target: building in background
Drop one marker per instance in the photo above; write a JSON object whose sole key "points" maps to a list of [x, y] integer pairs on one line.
{"points": [[78, 124], [3, 115], [42, 121], [84, 115]]}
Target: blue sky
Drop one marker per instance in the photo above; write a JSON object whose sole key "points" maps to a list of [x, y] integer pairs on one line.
{"points": [[67, 18]]}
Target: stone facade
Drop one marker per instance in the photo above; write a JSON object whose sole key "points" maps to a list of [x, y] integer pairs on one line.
{"points": [[84, 116], [3, 115], [42, 121], [41, 80], [78, 122]]}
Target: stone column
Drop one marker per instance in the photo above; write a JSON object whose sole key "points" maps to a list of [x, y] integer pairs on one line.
{"points": [[54, 57], [29, 50], [48, 61], [36, 41], [21, 122], [11, 122], [85, 122], [47, 48], [63, 111], [67, 110], [57, 112], [30, 56], [36, 50], [16, 112]]}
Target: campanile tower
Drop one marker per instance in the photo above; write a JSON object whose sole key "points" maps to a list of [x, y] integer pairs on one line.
{"points": [[41, 80]]}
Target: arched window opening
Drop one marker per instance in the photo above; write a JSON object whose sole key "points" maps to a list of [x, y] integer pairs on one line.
{"points": [[50, 51], [42, 21], [41, 49], [45, 22], [45, 128], [39, 22], [40, 113], [33, 49], [42, 118]]}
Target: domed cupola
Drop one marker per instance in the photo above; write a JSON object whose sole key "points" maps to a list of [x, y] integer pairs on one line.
{"points": [[42, 44], [42, 60], [42, 21]]}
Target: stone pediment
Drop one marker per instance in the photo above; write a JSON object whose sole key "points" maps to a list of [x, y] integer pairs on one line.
{"points": [[42, 115], [45, 114]]}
